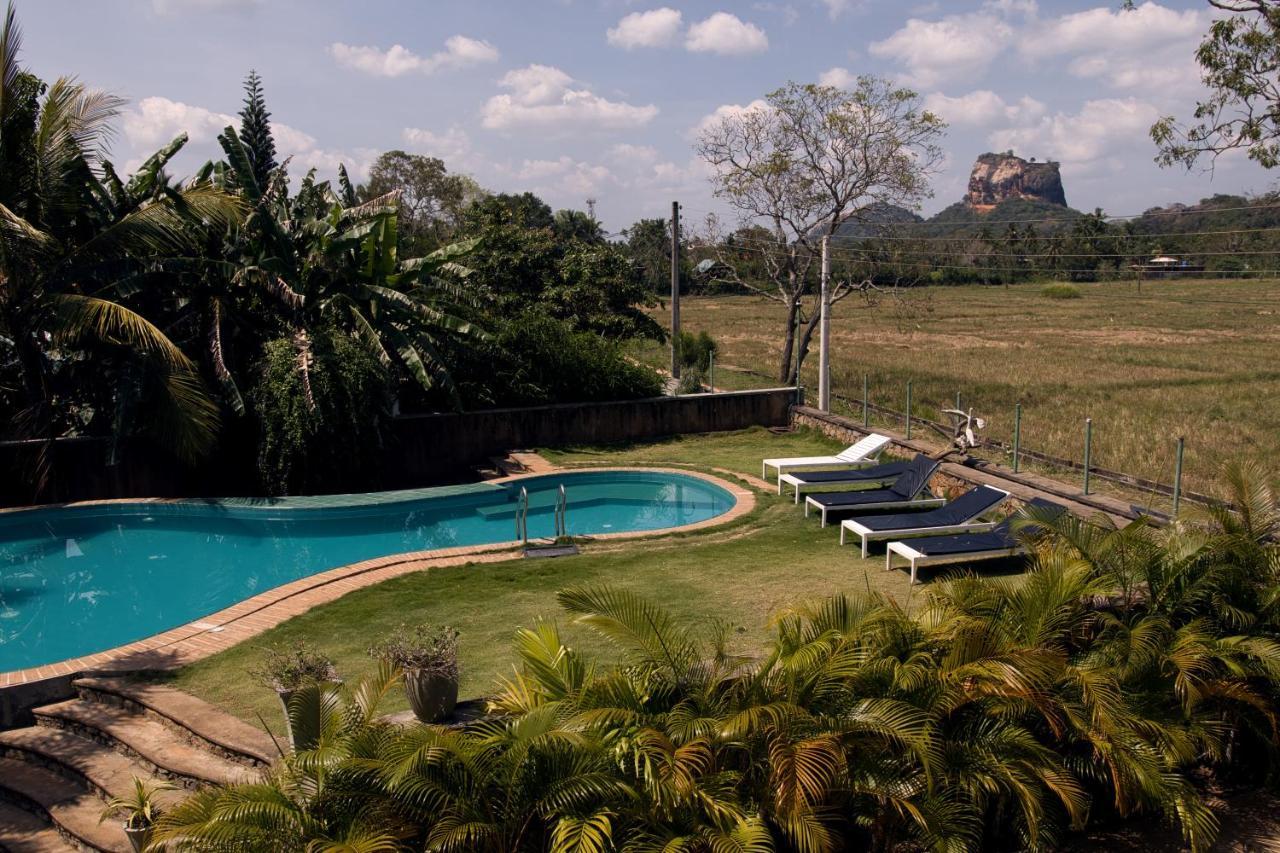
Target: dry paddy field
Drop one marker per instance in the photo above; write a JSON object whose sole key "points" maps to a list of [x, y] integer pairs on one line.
{"points": [[1190, 358]]}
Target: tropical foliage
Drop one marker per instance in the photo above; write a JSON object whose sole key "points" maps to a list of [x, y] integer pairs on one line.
{"points": [[274, 325], [998, 714]]}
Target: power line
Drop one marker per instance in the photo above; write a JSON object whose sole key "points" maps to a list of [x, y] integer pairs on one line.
{"points": [[1190, 211]]}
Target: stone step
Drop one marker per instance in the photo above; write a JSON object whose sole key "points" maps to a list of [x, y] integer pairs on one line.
{"points": [[146, 741], [186, 716], [74, 809], [79, 761], [23, 832]]}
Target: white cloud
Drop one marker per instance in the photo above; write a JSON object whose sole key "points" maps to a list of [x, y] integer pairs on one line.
{"points": [[841, 78], [836, 8], [725, 111], [153, 122], [982, 108], [727, 35], [166, 7], [452, 146], [1150, 47], [655, 28], [459, 52], [625, 152], [543, 96], [956, 47], [1104, 130]]}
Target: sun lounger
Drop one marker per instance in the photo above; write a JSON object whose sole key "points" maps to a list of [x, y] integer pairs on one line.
{"points": [[909, 491], [956, 517], [996, 543], [882, 475], [859, 455]]}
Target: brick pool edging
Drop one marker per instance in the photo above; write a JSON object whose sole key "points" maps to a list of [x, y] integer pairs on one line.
{"points": [[21, 690]]}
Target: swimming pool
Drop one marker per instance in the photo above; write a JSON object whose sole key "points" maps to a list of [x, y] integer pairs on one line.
{"points": [[79, 580]]}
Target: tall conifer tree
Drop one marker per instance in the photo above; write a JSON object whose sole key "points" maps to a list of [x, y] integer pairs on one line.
{"points": [[255, 130]]}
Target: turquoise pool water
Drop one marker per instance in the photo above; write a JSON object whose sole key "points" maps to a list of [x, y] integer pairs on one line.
{"points": [[79, 580]]}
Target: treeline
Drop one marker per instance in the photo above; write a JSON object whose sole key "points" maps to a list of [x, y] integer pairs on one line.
{"points": [[270, 323]]}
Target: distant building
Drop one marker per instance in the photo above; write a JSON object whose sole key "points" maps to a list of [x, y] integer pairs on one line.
{"points": [[1164, 265]]}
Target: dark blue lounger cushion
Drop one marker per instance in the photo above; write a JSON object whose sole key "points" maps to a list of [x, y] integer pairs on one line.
{"points": [[910, 484], [999, 538], [971, 504]]}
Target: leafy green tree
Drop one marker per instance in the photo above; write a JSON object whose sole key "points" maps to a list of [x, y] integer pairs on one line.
{"points": [[76, 242], [815, 158], [1239, 61], [255, 130], [432, 200], [579, 226]]}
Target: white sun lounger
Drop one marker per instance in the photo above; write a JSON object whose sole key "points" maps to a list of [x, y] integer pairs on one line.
{"points": [[996, 542], [864, 453], [956, 517], [910, 491]]}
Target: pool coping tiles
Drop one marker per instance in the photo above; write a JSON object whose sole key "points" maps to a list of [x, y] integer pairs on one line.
{"points": [[213, 633]]}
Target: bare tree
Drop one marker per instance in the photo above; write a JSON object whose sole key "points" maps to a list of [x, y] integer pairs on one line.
{"points": [[804, 161]]}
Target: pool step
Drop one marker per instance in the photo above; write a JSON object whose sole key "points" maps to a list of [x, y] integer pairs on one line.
{"points": [[74, 809], [145, 741], [190, 719], [23, 832]]}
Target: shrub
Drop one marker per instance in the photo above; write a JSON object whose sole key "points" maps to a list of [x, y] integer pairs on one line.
{"points": [[288, 668], [549, 362], [329, 442], [1060, 291], [690, 381], [696, 350], [423, 648]]}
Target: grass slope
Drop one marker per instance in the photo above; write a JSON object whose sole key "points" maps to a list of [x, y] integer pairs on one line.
{"points": [[742, 574]]}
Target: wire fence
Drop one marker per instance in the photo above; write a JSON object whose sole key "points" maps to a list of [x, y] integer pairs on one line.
{"points": [[916, 417]]}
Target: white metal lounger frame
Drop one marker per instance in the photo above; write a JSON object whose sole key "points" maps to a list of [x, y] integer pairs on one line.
{"points": [[914, 503], [860, 455], [915, 559], [967, 526], [793, 480]]}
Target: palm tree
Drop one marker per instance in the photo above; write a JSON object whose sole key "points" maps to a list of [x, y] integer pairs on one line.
{"points": [[72, 235]]}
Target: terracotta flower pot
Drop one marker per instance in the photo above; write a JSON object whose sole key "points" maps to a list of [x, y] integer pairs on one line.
{"points": [[432, 696], [138, 837]]}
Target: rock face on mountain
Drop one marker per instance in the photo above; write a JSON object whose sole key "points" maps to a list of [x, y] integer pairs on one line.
{"points": [[1000, 177]]}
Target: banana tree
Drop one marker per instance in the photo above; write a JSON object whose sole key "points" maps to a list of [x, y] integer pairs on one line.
{"points": [[70, 230]]}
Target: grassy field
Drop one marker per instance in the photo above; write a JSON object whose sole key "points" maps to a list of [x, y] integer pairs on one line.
{"points": [[742, 573], [1191, 358]]}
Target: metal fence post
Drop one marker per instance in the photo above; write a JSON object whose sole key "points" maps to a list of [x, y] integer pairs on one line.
{"points": [[959, 402], [711, 370], [1088, 451], [1017, 436], [908, 410], [866, 410], [1177, 475]]}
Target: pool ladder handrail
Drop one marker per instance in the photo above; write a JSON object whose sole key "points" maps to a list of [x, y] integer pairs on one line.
{"points": [[562, 511], [522, 516]]}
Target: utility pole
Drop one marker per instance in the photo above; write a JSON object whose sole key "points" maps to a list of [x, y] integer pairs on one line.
{"points": [[824, 332], [675, 290]]}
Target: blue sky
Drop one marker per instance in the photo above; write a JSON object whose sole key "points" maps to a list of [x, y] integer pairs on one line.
{"points": [[602, 98]]}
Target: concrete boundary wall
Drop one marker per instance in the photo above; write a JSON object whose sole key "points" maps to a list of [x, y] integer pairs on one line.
{"points": [[420, 450]]}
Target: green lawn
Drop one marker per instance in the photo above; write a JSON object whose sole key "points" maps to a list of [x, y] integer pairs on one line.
{"points": [[742, 573]]}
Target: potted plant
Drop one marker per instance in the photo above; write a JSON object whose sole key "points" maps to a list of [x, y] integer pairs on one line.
{"points": [[140, 809], [299, 675], [428, 657]]}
